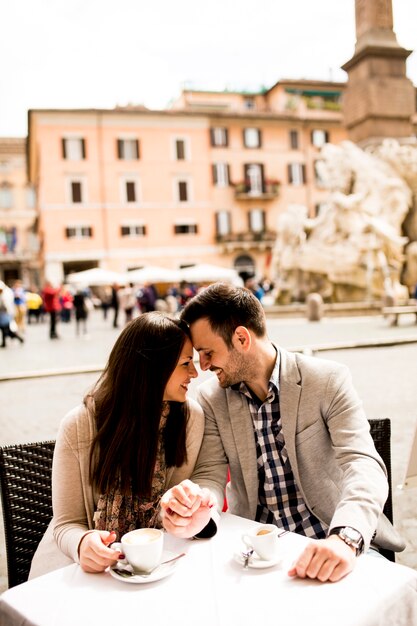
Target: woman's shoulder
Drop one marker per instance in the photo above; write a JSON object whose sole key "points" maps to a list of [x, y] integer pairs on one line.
{"points": [[77, 422]]}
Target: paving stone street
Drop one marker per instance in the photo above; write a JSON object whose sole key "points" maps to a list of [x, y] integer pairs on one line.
{"points": [[32, 407]]}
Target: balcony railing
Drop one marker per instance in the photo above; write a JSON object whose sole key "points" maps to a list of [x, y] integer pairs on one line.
{"points": [[248, 239], [268, 191]]}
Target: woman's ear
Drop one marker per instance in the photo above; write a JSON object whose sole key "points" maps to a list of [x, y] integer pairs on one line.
{"points": [[242, 339]]}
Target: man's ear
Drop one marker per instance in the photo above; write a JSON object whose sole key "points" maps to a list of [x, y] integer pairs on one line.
{"points": [[242, 339]]}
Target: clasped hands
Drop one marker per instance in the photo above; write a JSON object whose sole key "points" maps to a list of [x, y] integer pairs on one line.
{"points": [[185, 511]]}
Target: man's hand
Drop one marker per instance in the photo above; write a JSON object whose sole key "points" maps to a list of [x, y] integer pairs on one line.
{"points": [[186, 509], [326, 559], [95, 556]]}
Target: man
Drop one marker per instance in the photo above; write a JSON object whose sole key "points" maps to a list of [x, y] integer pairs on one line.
{"points": [[293, 432]]}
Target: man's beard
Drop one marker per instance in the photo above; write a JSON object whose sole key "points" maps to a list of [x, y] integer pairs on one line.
{"points": [[236, 370]]}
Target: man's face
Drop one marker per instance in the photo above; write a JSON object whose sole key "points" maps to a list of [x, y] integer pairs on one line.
{"points": [[229, 365]]}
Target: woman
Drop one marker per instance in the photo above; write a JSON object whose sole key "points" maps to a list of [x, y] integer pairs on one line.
{"points": [[134, 436]]}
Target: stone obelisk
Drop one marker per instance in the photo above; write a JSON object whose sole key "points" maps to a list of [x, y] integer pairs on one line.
{"points": [[379, 99]]}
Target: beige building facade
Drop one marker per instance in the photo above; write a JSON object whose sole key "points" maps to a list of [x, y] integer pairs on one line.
{"points": [[202, 182], [19, 245]]}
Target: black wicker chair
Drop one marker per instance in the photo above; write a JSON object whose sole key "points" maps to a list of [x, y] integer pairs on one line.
{"points": [[25, 480], [381, 434]]}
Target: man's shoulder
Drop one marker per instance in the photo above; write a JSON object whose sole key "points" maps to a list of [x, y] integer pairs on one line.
{"points": [[297, 364]]}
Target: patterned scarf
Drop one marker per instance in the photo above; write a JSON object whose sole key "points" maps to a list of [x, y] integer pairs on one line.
{"points": [[123, 513]]}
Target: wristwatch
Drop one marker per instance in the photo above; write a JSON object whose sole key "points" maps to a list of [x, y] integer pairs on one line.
{"points": [[350, 536]]}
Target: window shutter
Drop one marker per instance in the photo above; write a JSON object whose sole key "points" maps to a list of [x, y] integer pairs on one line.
{"points": [[68, 233], [303, 173], [263, 221], [212, 141], [262, 177], [120, 149], [64, 148], [259, 139], [327, 136], [130, 191], [244, 137], [137, 149], [226, 137], [182, 189], [228, 174], [76, 192], [83, 148], [290, 177], [312, 137], [214, 173]]}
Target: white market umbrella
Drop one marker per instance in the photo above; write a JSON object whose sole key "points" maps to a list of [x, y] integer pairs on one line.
{"points": [[153, 274], [205, 273], [96, 276]]}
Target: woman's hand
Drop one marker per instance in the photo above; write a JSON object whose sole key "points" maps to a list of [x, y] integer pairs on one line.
{"points": [[186, 509], [95, 555]]}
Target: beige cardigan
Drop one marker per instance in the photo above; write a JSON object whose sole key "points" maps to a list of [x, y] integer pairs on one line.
{"points": [[73, 498]]}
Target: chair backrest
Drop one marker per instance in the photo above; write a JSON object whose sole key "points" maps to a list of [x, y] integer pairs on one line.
{"points": [[381, 434], [26, 494]]}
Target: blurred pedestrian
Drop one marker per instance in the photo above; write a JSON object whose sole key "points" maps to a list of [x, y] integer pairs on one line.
{"points": [[66, 301], [7, 309], [50, 297], [115, 303], [127, 301], [80, 303], [34, 306], [19, 293]]}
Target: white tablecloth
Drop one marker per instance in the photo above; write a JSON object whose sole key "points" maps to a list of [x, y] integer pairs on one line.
{"points": [[209, 587]]}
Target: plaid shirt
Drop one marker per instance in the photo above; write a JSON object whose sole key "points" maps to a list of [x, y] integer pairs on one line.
{"points": [[279, 499]]}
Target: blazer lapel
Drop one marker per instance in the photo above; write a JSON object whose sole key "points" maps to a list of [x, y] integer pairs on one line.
{"points": [[242, 429], [289, 397]]}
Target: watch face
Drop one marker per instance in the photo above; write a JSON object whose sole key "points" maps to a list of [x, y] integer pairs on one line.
{"points": [[351, 534]]}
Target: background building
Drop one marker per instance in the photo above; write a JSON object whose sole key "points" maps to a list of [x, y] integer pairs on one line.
{"points": [[203, 182], [19, 248]]}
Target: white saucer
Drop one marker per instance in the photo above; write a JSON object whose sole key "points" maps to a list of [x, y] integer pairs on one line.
{"points": [[255, 562], [162, 572]]}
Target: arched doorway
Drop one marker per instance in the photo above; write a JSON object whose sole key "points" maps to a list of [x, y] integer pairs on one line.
{"points": [[245, 266]]}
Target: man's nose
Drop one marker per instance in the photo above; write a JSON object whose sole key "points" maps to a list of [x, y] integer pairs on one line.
{"points": [[204, 362]]}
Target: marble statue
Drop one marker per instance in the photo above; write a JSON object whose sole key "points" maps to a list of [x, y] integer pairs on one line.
{"points": [[355, 248]]}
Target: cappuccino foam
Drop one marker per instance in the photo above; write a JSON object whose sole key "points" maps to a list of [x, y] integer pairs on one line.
{"points": [[142, 536]]}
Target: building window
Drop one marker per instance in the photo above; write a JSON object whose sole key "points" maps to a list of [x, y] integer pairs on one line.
{"points": [[221, 175], [183, 194], [184, 228], [223, 223], [254, 178], [256, 221], [252, 137], [181, 149], [294, 139], [133, 230], [131, 194], [296, 174], [318, 173], [249, 103], [76, 191], [73, 148], [128, 149], [78, 232], [219, 136], [319, 137], [6, 196]]}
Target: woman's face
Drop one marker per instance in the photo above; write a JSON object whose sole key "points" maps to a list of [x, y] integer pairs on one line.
{"points": [[184, 371]]}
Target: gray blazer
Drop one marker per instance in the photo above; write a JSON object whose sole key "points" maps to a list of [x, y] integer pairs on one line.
{"points": [[337, 469]]}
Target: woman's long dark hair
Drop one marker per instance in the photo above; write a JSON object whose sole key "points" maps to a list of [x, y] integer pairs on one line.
{"points": [[128, 400]]}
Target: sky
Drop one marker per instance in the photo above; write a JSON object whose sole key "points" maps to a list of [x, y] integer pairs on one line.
{"points": [[104, 53]]}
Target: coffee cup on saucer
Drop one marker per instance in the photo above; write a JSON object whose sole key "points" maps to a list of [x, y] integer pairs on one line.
{"points": [[142, 548], [263, 539]]}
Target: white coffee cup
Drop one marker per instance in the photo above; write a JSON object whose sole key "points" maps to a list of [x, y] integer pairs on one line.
{"points": [[263, 538], [142, 548]]}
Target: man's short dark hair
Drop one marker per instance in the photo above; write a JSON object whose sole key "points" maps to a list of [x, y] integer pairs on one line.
{"points": [[226, 307]]}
